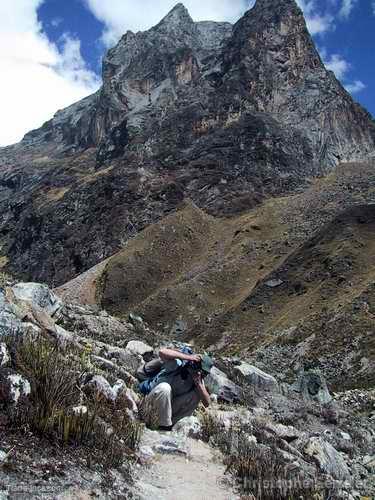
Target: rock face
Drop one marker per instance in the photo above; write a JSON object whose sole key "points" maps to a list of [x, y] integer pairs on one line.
{"points": [[224, 115], [226, 390]]}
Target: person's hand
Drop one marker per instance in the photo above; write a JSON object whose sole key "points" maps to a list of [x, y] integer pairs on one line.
{"points": [[195, 358], [197, 377]]}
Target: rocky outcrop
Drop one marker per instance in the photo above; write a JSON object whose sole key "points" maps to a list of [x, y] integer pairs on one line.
{"points": [[280, 428]]}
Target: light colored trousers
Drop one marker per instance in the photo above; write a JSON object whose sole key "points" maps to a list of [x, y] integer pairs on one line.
{"points": [[165, 410]]}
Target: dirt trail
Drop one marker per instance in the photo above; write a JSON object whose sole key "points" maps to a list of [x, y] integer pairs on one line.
{"points": [[82, 289], [199, 476]]}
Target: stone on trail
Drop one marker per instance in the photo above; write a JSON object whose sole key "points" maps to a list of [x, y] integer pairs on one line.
{"points": [[258, 379], [189, 426], [274, 283], [164, 443]]}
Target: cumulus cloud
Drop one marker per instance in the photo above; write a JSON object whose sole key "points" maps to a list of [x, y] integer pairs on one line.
{"points": [[36, 78], [341, 67], [355, 87], [338, 65], [317, 22], [119, 16]]}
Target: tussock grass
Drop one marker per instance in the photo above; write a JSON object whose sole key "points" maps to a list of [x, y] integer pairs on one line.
{"points": [[260, 469], [105, 429]]}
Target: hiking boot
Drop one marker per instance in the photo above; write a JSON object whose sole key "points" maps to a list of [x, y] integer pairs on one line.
{"points": [[165, 428]]}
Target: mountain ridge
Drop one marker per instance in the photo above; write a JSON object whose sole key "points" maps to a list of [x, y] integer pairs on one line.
{"points": [[176, 119]]}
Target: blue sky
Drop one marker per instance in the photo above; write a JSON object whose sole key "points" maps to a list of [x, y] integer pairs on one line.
{"points": [[51, 50]]}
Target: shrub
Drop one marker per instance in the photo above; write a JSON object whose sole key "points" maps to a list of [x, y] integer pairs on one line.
{"points": [[56, 376], [260, 469]]}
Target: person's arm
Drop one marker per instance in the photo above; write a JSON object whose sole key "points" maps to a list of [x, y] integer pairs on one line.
{"points": [[201, 388], [171, 354]]}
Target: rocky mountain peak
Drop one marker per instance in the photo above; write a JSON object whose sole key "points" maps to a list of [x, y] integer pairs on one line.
{"points": [[283, 7], [222, 115], [178, 15]]}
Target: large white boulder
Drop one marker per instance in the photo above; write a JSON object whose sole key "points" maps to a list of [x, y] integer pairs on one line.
{"points": [[189, 426], [259, 380], [139, 348], [39, 296]]}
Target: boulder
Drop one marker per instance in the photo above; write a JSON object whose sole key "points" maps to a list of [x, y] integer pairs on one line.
{"points": [[226, 390], [164, 443], [101, 385], [328, 459], [4, 355], [38, 295], [259, 380], [232, 417], [189, 426], [114, 369], [14, 388], [286, 432], [130, 399], [140, 348], [313, 387], [130, 360]]}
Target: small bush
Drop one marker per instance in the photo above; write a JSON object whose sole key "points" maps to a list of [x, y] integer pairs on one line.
{"points": [[56, 378], [55, 382], [212, 427], [260, 469]]}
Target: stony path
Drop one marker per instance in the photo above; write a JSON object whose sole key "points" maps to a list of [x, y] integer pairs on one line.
{"points": [[197, 476], [82, 289]]}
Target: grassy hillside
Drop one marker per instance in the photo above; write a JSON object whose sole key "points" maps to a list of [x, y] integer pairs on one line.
{"points": [[215, 278]]}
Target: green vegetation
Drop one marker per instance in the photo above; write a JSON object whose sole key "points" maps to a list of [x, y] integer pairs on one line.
{"points": [[60, 409]]}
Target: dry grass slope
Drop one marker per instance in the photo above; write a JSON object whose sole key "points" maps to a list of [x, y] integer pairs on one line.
{"points": [[211, 273]]}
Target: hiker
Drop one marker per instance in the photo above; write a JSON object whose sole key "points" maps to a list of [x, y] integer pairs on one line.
{"points": [[178, 388]]}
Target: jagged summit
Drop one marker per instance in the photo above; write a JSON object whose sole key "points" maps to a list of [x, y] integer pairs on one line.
{"points": [[223, 115], [277, 7], [178, 15]]}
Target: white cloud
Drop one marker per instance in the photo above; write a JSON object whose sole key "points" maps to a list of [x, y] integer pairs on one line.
{"points": [[122, 15], [36, 78], [317, 23], [355, 87], [346, 8], [341, 67], [337, 64]]}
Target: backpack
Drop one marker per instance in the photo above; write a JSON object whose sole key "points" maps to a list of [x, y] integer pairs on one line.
{"points": [[149, 369], [148, 373]]}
